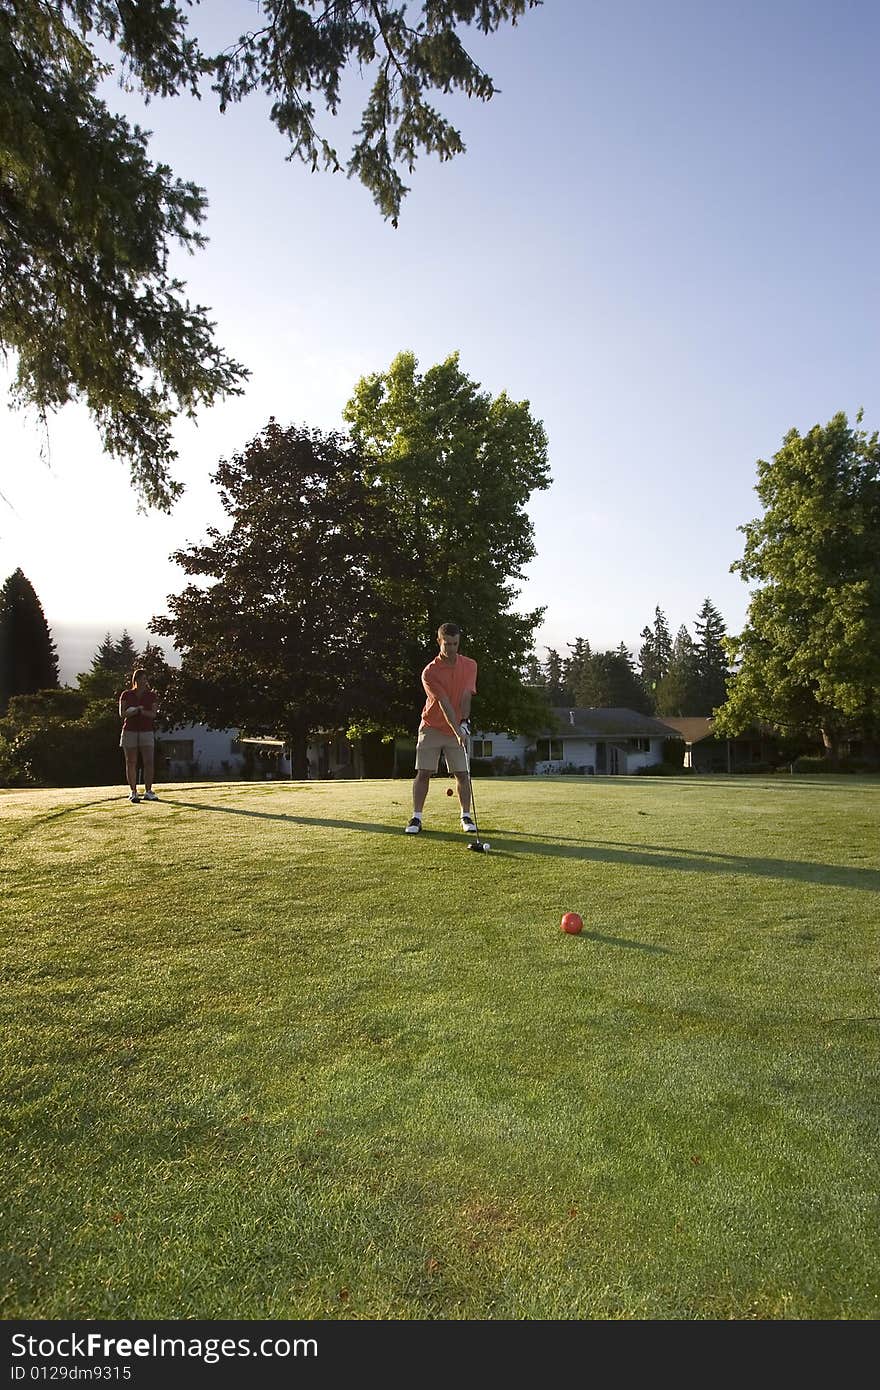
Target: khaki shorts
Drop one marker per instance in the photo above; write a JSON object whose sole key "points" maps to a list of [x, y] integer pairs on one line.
{"points": [[137, 738], [431, 743]]}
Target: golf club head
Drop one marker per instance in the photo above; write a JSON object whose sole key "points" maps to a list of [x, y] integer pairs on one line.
{"points": [[478, 847]]}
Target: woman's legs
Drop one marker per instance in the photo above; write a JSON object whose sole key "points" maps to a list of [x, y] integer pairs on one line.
{"points": [[131, 763], [148, 759]]}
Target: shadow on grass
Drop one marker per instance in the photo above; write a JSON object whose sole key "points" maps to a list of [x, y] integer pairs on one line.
{"points": [[30, 826], [596, 851]]}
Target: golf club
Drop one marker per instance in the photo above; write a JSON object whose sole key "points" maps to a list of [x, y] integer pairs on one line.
{"points": [[476, 844]]}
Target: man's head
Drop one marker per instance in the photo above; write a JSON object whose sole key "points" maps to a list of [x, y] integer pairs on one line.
{"points": [[448, 639], [139, 680]]}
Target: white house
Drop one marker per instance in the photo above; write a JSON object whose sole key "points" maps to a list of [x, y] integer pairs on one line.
{"points": [[603, 742], [588, 741], [194, 750]]}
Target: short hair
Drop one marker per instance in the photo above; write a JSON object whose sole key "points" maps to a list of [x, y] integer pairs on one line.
{"points": [[139, 672], [449, 630]]}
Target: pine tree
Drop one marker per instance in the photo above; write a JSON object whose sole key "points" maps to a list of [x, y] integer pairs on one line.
{"points": [[678, 693], [28, 658], [554, 679], [533, 674], [574, 666], [655, 654], [609, 680], [111, 668], [712, 662]]}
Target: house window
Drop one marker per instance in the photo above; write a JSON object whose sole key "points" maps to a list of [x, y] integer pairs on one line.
{"points": [[549, 750], [177, 750], [482, 748], [641, 745]]}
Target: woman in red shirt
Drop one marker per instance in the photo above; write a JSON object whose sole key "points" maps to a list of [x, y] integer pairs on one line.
{"points": [[137, 709]]}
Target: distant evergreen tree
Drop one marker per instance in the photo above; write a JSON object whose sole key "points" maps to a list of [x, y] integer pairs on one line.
{"points": [[678, 693], [127, 655], [609, 680], [712, 661], [533, 674], [575, 665], [28, 658], [111, 669], [655, 654], [554, 675]]}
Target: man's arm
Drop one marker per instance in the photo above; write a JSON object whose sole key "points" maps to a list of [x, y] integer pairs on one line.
{"points": [[466, 701], [449, 716]]}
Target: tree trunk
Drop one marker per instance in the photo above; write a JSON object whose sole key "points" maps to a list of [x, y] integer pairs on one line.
{"points": [[299, 760], [831, 740]]}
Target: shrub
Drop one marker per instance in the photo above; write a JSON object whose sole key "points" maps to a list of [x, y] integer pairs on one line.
{"points": [[10, 773], [507, 767], [822, 764], [63, 752]]}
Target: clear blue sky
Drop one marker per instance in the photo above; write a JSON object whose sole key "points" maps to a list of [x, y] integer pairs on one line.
{"points": [[663, 235]]}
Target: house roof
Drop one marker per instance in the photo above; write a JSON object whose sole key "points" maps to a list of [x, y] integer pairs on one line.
{"points": [[693, 729], [608, 723]]}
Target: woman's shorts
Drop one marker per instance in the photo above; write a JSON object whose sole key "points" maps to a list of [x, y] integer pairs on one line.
{"points": [[137, 738], [431, 743]]}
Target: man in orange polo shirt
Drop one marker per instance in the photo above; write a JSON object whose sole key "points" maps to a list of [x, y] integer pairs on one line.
{"points": [[449, 681]]}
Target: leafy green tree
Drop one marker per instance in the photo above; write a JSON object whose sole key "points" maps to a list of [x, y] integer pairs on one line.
{"points": [[299, 627], [87, 306], [655, 654], [712, 662], [28, 658], [809, 655], [458, 467], [679, 691]]}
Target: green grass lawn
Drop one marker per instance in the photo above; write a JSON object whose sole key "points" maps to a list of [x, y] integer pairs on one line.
{"points": [[269, 1058]]}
